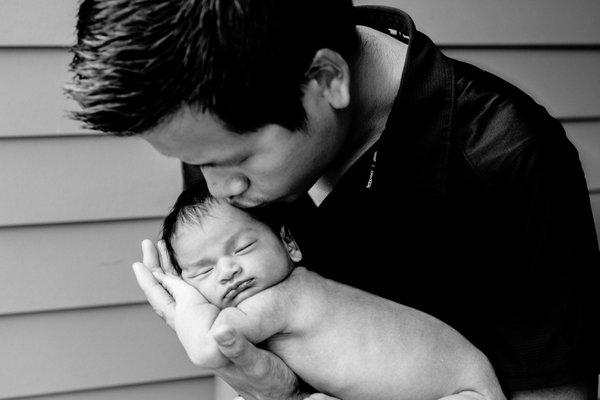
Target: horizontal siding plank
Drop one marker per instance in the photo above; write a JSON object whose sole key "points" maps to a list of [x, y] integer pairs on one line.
{"points": [[547, 75], [88, 349], [514, 22], [223, 391], [72, 265], [455, 22], [34, 104], [48, 180], [86, 253], [31, 93], [37, 22], [586, 138], [194, 389]]}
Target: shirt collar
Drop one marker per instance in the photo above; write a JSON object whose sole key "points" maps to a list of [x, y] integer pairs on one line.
{"points": [[417, 133]]}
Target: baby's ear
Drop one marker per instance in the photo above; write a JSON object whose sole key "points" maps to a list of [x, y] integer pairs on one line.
{"points": [[290, 244]]}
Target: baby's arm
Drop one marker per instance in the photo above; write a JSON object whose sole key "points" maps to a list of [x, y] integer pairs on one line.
{"points": [[258, 318]]}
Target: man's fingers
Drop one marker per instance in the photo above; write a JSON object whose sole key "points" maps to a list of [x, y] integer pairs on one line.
{"points": [[165, 260], [253, 370], [150, 256], [176, 287], [157, 296]]}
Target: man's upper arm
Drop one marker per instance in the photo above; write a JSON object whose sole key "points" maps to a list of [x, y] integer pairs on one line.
{"points": [[542, 327]]}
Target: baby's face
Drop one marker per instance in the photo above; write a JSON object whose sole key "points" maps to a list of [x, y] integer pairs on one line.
{"points": [[230, 256]]}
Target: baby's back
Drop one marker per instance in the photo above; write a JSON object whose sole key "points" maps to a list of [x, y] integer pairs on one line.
{"points": [[355, 345]]}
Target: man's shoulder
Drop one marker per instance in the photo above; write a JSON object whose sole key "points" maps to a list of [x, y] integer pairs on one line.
{"points": [[496, 123]]}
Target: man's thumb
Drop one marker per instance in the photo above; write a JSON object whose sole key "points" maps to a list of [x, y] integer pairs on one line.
{"points": [[234, 346], [224, 335]]}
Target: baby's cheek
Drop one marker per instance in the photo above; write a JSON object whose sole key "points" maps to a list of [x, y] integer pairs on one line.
{"points": [[212, 296], [208, 290]]}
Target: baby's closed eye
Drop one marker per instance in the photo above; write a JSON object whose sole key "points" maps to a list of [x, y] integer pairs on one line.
{"points": [[244, 247], [198, 272]]}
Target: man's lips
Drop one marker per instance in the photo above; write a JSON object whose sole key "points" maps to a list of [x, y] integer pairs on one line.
{"points": [[237, 288], [246, 203]]}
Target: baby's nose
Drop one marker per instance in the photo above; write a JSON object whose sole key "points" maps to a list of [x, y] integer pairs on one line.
{"points": [[230, 270]]}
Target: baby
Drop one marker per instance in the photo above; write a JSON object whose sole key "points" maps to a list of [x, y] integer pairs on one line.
{"points": [[342, 341]]}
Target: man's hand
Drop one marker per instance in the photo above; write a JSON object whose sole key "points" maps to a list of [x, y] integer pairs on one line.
{"points": [[253, 372]]}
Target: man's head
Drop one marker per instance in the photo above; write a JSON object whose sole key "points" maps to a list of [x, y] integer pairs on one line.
{"points": [[224, 252], [221, 69]]}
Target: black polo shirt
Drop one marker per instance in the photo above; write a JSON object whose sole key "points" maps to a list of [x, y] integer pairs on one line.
{"points": [[471, 207]]}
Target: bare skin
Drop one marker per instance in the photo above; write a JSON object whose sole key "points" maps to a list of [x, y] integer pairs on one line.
{"points": [[330, 333], [415, 356]]}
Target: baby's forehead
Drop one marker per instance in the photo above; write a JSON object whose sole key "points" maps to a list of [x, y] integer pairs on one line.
{"points": [[221, 219]]}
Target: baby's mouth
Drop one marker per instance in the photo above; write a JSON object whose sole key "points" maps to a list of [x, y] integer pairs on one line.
{"points": [[237, 288]]}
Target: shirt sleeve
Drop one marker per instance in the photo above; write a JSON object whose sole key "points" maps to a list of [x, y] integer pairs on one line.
{"points": [[545, 329]]}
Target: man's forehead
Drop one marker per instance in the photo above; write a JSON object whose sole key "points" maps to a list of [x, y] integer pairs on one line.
{"points": [[188, 124], [191, 136]]}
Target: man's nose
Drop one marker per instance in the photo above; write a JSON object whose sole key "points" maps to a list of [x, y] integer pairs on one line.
{"points": [[223, 185], [228, 270]]}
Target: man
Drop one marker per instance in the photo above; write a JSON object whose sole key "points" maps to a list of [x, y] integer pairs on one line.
{"points": [[456, 186]]}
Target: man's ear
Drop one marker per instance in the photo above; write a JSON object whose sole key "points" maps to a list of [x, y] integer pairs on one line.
{"points": [[331, 73], [290, 244]]}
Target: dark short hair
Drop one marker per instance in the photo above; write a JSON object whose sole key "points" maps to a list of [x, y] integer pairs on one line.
{"points": [[191, 206], [194, 204], [136, 63]]}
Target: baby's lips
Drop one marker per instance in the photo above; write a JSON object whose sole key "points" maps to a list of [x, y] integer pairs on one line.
{"points": [[237, 288]]}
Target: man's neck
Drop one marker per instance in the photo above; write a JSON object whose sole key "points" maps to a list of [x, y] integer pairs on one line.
{"points": [[376, 75]]}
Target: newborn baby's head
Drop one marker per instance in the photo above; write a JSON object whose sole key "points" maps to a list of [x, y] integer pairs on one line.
{"points": [[225, 252]]}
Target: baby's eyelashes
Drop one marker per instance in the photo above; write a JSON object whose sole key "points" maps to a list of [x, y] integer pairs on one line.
{"points": [[243, 248], [197, 273]]}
